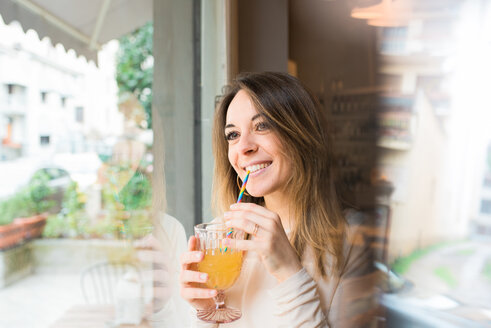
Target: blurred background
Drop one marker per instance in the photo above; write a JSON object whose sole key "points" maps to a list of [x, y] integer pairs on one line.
{"points": [[106, 109]]}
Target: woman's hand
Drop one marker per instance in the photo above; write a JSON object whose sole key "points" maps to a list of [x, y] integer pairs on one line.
{"points": [[199, 298], [270, 242], [156, 272]]}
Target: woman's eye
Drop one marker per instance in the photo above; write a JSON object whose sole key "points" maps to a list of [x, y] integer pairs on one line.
{"points": [[231, 135], [262, 126]]}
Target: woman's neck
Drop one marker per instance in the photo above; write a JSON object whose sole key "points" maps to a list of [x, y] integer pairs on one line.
{"points": [[280, 204]]}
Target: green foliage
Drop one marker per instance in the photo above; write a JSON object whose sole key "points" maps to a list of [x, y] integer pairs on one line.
{"points": [[12, 208], [137, 193], [73, 201], [72, 220], [105, 227], [128, 208], [447, 276], [134, 73], [55, 226], [402, 264], [466, 252], [38, 192], [28, 201], [486, 271], [138, 224], [125, 214]]}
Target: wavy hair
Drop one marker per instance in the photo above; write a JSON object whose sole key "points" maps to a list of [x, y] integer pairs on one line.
{"points": [[298, 121]]}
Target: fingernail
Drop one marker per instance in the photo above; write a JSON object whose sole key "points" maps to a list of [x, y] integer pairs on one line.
{"points": [[203, 276], [213, 292], [198, 256], [228, 223], [227, 215], [233, 205]]}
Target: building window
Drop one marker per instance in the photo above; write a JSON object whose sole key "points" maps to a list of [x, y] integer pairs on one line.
{"points": [[486, 206], [63, 102], [44, 97], [79, 114], [44, 140]]}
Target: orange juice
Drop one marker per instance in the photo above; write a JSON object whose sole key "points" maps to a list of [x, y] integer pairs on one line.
{"points": [[222, 267]]}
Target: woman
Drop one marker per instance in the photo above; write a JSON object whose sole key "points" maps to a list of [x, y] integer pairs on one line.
{"points": [[300, 269]]}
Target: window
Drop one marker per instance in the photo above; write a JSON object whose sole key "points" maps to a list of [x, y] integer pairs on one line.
{"points": [[44, 140], [486, 206], [79, 114], [63, 102], [44, 96]]}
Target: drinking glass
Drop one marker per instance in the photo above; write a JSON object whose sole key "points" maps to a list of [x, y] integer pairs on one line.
{"points": [[222, 263]]}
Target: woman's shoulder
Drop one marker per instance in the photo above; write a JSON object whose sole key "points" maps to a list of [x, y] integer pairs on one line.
{"points": [[171, 233]]}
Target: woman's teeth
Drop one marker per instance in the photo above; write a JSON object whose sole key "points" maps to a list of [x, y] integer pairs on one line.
{"points": [[256, 167]]}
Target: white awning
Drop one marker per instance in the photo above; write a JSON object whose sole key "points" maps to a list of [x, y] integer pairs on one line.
{"points": [[81, 25]]}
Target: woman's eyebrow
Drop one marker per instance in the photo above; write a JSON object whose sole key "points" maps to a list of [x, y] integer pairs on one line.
{"points": [[255, 117]]}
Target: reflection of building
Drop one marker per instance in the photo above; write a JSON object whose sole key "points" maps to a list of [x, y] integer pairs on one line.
{"points": [[482, 223], [418, 149], [411, 135], [50, 100]]}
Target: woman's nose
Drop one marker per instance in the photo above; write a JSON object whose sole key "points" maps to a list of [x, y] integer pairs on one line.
{"points": [[247, 144]]}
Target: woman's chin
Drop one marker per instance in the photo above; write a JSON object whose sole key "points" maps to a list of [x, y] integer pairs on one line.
{"points": [[256, 193]]}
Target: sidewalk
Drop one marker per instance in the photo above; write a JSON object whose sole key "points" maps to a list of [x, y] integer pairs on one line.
{"points": [[38, 300], [451, 283], [460, 271]]}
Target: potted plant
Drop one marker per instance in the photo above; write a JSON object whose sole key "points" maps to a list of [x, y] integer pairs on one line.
{"points": [[33, 216], [11, 233], [23, 215]]}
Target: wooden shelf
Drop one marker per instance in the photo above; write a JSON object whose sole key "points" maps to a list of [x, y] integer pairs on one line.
{"points": [[352, 118], [393, 144]]}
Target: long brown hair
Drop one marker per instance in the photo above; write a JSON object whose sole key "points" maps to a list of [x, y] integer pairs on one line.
{"points": [[297, 119]]}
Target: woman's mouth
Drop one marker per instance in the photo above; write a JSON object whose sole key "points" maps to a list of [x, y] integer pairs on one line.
{"points": [[257, 167]]}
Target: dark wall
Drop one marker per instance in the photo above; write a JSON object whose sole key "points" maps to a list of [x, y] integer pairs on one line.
{"points": [[329, 47], [263, 35], [327, 44]]}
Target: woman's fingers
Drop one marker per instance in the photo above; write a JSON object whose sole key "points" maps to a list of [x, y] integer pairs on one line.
{"points": [[192, 243], [197, 293], [192, 255], [247, 220], [188, 258], [243, 245], [189, 276], [245, 224], [198, 297], [254, 208]]}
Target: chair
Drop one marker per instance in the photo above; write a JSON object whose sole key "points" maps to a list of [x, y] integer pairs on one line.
{"points": [[99, 281]]}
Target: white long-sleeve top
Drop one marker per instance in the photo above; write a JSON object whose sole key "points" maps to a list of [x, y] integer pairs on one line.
{"points": [[305, 299]]}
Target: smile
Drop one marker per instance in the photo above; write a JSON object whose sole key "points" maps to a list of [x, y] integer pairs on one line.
{"points": [[257, 167]]}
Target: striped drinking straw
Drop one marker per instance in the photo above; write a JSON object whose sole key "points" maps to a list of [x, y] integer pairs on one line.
{"points": [[241, 193], [243, 187]]}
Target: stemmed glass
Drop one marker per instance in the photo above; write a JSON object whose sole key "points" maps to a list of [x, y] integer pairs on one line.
{"points": [[222, 263]]}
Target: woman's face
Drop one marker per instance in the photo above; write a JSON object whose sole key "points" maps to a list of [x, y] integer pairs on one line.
{"points": [[253, 146]]}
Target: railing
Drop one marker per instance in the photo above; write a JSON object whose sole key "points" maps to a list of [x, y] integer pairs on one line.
{"points": [[13, 106]]}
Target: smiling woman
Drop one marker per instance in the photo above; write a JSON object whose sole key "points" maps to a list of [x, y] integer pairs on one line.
{"points": [[252, 147], [304, 265]]}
